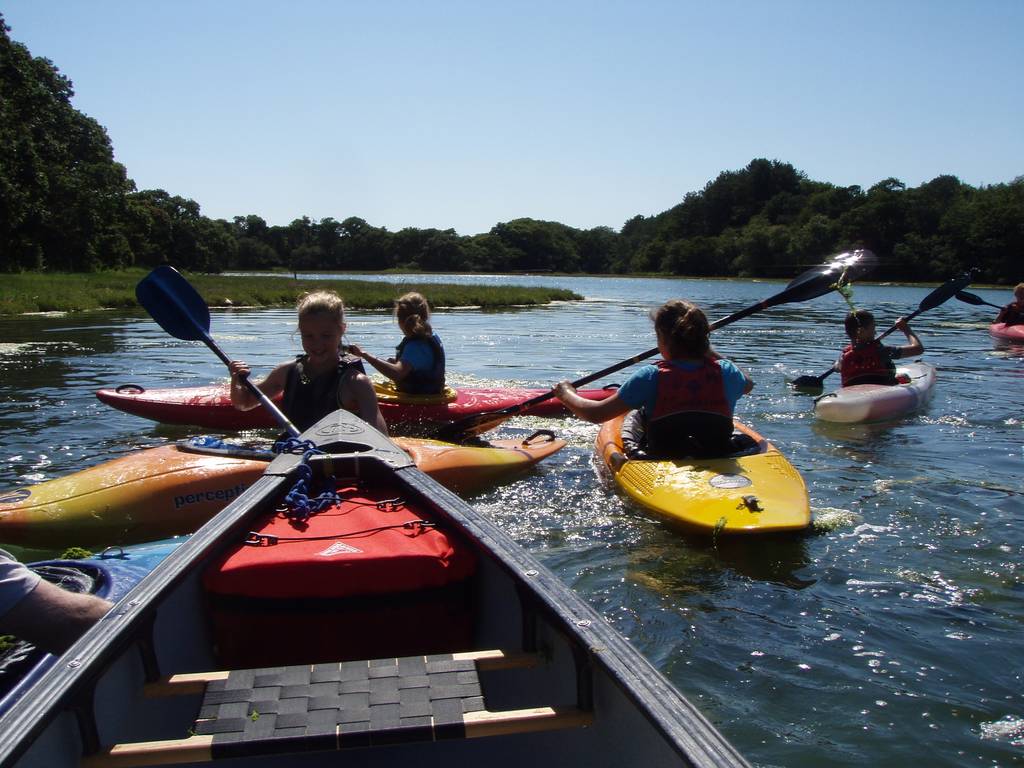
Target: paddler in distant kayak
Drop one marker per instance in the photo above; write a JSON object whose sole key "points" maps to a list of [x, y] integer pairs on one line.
{"points": [[683, 403], [319, 381], [866, 360], [418, 365], [1013, 313]]}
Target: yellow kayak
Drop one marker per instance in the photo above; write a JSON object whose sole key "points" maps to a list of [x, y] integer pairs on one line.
{"points": [[170, 490], [755, 490]]}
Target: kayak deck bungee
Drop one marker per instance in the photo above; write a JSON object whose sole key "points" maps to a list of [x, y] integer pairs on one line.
{"points": [[1006, 332], [210, 406], [147, 683], [173, 489], [877, 402], [755, 490]]}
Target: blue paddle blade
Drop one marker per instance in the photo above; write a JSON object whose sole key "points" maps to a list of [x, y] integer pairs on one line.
{"points": [[175, 305]]}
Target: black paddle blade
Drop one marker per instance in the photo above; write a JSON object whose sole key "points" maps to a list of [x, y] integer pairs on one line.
{"points": [[471, 426], [813, 385], [175, 305], [944, 292], [971, 298]]}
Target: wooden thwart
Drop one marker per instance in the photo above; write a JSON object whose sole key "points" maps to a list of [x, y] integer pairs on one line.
{"points": [[338, 706]]}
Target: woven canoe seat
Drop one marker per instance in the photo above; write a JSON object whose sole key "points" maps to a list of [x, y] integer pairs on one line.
{"points": [[338, 706]]}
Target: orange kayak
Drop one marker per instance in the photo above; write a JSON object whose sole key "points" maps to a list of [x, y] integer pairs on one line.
{"points": [[170, 490]]}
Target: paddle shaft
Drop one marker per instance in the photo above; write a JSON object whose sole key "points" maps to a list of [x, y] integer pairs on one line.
{"points": [[260, 395], [635, 359]]}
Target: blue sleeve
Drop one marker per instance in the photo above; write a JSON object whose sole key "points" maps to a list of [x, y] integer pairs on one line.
{"points": [[640, 390], [733, 381], [419, 355]]}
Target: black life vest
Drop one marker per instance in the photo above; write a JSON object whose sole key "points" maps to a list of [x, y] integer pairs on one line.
{"points": [[866, 364], [429, 382], [1012, 314], [307, 400]]}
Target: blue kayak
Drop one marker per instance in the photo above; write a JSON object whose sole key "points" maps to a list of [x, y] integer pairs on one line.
{"points": [[109, 575]]}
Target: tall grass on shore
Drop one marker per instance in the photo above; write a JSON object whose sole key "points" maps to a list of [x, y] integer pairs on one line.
{"points": [[75, 292]]}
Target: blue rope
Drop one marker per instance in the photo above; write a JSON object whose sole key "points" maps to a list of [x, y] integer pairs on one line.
{"points": [[300, 506]]}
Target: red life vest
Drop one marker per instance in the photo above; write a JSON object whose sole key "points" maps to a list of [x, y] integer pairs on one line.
{"points": [[681, 390], [866, 364]]}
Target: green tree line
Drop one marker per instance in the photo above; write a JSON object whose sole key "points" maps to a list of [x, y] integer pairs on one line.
{"points": [[66, 205]]}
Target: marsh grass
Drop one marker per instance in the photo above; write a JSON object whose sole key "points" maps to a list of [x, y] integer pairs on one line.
{"points": [[75, 292]]}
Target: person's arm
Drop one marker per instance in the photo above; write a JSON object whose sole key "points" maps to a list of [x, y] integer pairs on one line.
{"points": [[396, 370], [1001, 317], [272, 386], [52, 618], [363, 401], [915, 347], [594, 411]]}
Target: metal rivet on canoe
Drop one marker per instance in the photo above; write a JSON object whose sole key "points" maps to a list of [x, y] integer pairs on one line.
{"points": [[583, 623], [531, 572]]}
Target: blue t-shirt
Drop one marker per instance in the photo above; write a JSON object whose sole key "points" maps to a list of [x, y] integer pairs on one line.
{"points": [[418, 353], [641, 389]]}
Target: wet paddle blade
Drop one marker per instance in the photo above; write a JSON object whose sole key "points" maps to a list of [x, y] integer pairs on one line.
{"points": [[174, 304], [812, 385]]}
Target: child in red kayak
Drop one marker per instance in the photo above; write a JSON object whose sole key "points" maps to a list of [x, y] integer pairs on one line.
{"points": [[1013, 313], [418, 365], [319, 381], [684, 402], [866, 360]]}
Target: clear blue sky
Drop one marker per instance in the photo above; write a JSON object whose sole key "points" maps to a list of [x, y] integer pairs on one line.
{"points": [[466, 114]]}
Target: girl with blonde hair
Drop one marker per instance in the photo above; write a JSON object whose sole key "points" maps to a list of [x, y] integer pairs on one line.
{"points": [[320, 380]]}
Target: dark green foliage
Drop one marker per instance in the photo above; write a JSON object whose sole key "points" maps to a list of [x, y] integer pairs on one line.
{"points": [[65, 205]]}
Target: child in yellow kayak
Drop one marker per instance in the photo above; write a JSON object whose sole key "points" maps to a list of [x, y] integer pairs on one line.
{"points": [[866, 360], [418, 365], [684, 403], [322, 379]]}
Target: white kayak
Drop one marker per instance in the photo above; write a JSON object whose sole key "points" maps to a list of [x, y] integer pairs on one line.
{"points": [[877, 402]]}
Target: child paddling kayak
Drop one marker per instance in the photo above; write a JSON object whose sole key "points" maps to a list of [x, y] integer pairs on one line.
{"points": [[684, 403], [321, 380], [866, 360]]}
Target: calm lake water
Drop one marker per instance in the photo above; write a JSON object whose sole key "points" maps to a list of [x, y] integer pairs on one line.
{"points": [[890, 632]]}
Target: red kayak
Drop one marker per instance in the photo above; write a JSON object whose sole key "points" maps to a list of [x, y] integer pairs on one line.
{"points": [[1006, 332], [210, 407]]}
